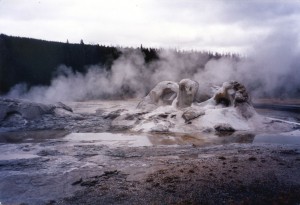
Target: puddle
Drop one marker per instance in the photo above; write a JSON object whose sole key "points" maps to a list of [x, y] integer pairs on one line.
{"points": [[147, 139], [175, 139], [282, 138], [159, 139]]}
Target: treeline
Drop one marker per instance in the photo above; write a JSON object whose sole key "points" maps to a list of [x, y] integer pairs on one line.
{"points": [[32, 61]]}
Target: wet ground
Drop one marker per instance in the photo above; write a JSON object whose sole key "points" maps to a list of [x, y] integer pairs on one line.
{"points": [[83, 162]]}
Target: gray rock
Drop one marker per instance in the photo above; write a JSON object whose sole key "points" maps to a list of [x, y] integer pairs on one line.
{"points": [[224, 127], [232, 94], [235, 94], [191, 114], [160, 128], [187, 91], [28, 110], [163, 93]]}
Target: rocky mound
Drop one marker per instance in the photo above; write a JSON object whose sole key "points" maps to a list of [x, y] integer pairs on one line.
{"points": [[172, 107], [29, 110]]}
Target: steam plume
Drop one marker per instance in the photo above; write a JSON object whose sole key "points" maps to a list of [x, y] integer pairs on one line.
{"points": [[271, 69]]}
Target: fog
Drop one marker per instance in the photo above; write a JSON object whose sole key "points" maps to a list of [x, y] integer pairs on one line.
{"points": [[270, 69]]}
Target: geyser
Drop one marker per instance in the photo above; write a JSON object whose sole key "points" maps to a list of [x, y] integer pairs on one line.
{"points": [[172, 107]]}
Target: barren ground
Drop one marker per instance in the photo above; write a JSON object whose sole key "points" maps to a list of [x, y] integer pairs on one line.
{"points": [[48, 167]]}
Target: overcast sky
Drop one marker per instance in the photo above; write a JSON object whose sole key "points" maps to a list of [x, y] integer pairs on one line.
{"points": [[226, 26]]}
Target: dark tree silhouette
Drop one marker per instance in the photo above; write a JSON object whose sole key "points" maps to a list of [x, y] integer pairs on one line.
{"points": [[32, 61]]}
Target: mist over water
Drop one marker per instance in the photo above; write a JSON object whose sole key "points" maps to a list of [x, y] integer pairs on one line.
{"points": [[271, 69]]}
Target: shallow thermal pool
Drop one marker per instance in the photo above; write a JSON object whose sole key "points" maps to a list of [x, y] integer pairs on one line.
{"points": [[137, 140], [26, 145], [129, 139], [281, 138], [147, 139]]}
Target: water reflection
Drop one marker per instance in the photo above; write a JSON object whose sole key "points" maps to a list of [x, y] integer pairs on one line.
{"points": [[200, 139], [148, 139], [283, 138], [159, 139]]}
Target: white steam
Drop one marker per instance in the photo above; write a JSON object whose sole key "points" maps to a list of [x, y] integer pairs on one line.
{"points": [[272, 69]]}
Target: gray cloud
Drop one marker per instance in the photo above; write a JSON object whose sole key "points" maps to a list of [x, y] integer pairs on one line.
{"points": [[264, 31], [217, 25], [259, 12]]}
